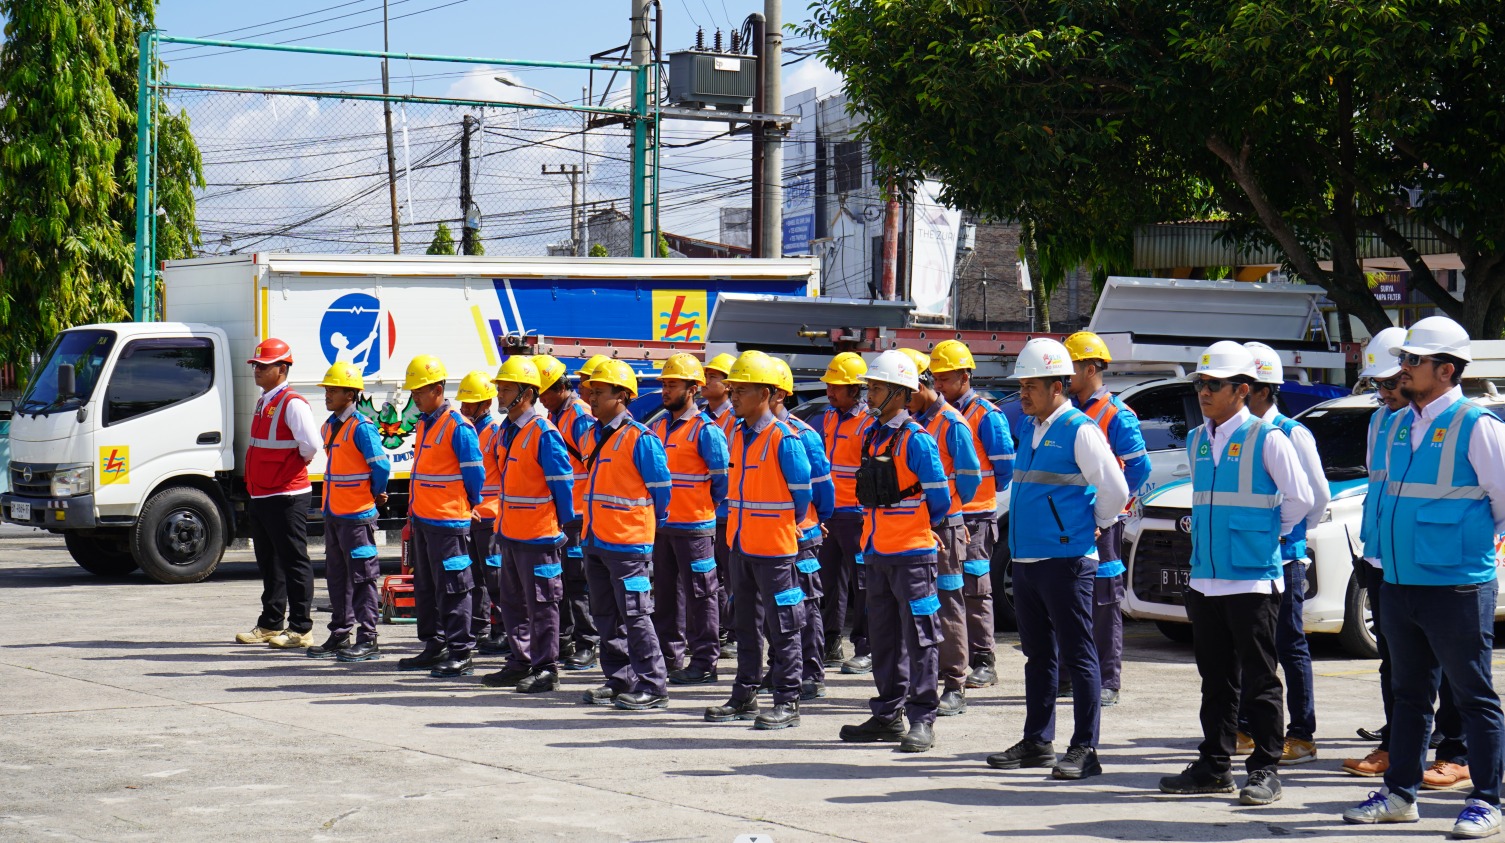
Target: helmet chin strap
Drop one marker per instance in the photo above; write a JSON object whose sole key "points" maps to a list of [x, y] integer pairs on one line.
{"points": [[877, 412], [520, 393]]}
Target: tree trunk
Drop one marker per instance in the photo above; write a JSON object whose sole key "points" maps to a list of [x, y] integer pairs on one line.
{"points": [[1345, 336], [1042, 307]]}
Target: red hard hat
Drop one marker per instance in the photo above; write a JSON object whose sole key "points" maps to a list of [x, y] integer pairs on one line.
{"points": [[272, 350]]}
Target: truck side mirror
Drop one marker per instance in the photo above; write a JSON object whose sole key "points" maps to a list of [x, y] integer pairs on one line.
{"points": [[65, 380]]}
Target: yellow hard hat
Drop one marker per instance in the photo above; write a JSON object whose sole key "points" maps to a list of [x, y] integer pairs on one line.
{"points": [[786, 377], [475, 386], [950, 355], [754, 367], [721, 363], [616, 373], [845, 369], [344, 375], [920, 358], [519, 369], [550, 370], [683, 366], [1085, 345], [588, 368], [424, 370]]}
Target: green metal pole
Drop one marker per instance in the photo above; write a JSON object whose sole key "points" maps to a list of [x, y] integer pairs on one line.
{"points": [[641, 225], [154, 302], [144, 159]]}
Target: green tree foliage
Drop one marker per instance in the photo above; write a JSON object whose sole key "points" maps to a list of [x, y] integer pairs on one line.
{"points": [[663, 246], [599, 251], [1305, 122], [67, 167], [443, 242], [473, 244]]}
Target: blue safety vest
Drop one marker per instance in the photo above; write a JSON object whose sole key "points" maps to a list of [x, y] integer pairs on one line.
{"points": [[1050, 491], [1235, 512], [1379, 429], [1292, 544], [1435, 526]]}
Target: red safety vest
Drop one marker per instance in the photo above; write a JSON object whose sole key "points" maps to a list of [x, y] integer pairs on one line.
{"points": [[347, 475], [761, 520], [843, 438], [490, 507], [905, 526], [690, 501], [986, 499], [618, 506], [573, 409], [436, 486], [274, 466], [526, 503]]}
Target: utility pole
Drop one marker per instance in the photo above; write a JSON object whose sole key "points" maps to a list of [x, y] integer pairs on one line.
{"points": [[585, 99], [386, 91], [772, 68], [891, 213], [575, 174], [467, 237], [760, 52]]}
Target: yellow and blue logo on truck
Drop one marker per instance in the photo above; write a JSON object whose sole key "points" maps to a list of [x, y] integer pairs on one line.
{"points": [[114, 464]]}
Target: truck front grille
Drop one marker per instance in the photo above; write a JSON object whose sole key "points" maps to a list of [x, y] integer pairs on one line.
{"points": [[39, 486], [1162, 566]]}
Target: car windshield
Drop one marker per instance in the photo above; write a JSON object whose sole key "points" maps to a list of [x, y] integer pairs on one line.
{"points": [[1341, 434], [87, 351]]}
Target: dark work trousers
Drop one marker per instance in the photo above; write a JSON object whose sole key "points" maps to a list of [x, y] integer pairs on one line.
{"points": [[1233, 639], [1447, 723], [483, 612], [951, 586], [575, 622], [1107, 612], [441, 595], [724, 616], [1053, 599], [760, 583], [1437, 631], [351, 570], [977, 582], [902, 612], [532, 587], [1295, 658], [621, 594], [845, 581], [279, 535], [685, 594], [813, 633]]}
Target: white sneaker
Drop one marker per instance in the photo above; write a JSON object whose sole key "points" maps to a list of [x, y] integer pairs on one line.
{"points": [[1383, 806], [1479, 819]]}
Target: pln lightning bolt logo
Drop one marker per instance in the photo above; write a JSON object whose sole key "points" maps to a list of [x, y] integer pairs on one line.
{"points": [[114, 463], [674, 326]]}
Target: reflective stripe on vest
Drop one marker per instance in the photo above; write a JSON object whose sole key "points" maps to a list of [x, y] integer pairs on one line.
{"points": [[986, 499], [690, 501], [617, 506], [843, 441], [274, 465], [935, 426], [812, 518], [1235, 514], [1051, 509], [761, 520], [347, 474], [489, 507], [905, 526], [436, 486], [1378, 441], [573, 409], [525, 509]]}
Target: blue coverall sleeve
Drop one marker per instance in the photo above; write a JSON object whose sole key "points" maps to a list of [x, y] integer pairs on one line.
{"points": [[1128, 445], [468, 451], [558, 474], [712, 448], [998, 444], [368, 441], [822, 487], [964, 460], [924, 458], [653, 465], [796, 467], [579, 427]]}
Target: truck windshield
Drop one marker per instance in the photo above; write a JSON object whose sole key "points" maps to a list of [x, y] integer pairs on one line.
{"points": [[87, 350]]}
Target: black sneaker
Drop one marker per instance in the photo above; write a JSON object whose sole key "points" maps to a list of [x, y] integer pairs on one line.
{"points": [[603, 695], [455, 665], [692, 676], [834, 655], [1197, 778], [919, 738], [584, 658], [733, 710], [538, 682], [781, 716], [812, 690], [952, 703], [1261, 788], [1024, 754], [362, 651], [640, 701], [857, 665], [983, 672], [873, 730], [329, 648], [507, 677], [433, 654], [1080, 762]]}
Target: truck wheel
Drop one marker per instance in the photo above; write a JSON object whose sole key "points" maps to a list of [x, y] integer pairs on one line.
{"points": [[1357, 636], [102, 553], [1177, 632], [180, 536]]}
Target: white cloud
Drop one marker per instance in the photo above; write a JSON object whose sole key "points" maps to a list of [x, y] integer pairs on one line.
{"points": [[812, 73]]}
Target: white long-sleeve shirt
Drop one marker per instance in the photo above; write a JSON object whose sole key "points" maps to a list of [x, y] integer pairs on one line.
{"points": [[305, 429], [1311, 463], [1098, 466], [1284, 467]]}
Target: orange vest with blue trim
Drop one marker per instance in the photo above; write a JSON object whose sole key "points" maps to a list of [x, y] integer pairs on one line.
{"points": [[489, 435], [690, 501], [905, 526], [574, 408], [347, 476], [986, 499], [761, 520], [618, 505], [948, 462], [436, 486], [843, 439], [526, 503]]}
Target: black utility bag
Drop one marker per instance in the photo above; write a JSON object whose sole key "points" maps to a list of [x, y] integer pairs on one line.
{"points": [[878, 477]]}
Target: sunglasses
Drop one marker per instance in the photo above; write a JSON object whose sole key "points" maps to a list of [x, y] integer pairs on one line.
{"points": [[1213, 385], [1388, 383], [1409, 359], [262, 367]]}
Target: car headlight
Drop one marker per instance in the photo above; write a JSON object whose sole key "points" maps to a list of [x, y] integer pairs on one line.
{"points": [[71, 480]]}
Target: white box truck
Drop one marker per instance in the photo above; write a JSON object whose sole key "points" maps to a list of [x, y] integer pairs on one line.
{"points": [[130, 439]]}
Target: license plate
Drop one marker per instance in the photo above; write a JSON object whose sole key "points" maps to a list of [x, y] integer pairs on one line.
{"points": [[20, 511], [1174, 578]]}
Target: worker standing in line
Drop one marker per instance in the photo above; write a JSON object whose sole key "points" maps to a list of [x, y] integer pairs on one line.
{"points": [[807, 561], [901, 483], [1248, 491], [444, 489], [1291, 647], [963, 472], [475, 396], [951, 364], [718, 405], [355, 484], [626, 498], [571, 416], [842, 426], [1066, 477], [1089, 359], [535, 499], [1441, 508], [768, 490], [686, 613], [284, 439]]}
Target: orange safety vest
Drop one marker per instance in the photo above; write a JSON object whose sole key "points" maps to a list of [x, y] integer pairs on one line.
{"points": [[274, 465], [347, 475], [436, 486], [1104, 411], [574, 408], [526, 503], [618, 506], [986, 499], [811, 519], [727, 420], [905, 526], [758, 496], [690, 501], [489, 507], [948, 462], [843, 438]]}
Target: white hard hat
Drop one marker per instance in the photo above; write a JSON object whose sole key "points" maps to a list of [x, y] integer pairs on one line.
{"points": [[1379, 360], [895, 367], [1043, 358], [1435, 335], [1225, 359], [1267, 365]]}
